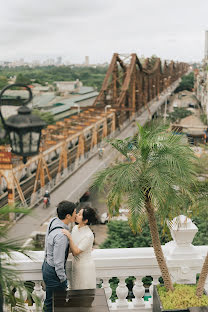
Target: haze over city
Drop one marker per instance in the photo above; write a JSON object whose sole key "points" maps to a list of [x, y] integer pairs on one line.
{"points": [[73, 29]]}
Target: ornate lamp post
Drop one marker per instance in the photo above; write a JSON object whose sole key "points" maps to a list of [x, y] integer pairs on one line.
{"points": [[24, 128]]}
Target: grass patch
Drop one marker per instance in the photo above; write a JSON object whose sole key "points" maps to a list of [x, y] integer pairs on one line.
{"points": [[183, 297]]}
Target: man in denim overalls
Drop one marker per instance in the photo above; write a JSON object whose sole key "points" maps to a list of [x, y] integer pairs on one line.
{"points": [[56, 251]]}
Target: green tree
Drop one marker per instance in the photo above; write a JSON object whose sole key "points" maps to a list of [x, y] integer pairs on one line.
{"points": [[89, 76], [46, 116], [3, 82], [120, 235], [202, 188], [158, 171], [178, 114], [187, 83], [203, 118], [21, 78]]}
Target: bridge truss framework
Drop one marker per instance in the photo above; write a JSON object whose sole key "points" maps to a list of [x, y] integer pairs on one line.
{"points": [[127, 89]]}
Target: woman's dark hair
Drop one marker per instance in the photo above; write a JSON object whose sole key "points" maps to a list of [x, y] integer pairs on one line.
{"points": [[65, 207], [90, 215]]}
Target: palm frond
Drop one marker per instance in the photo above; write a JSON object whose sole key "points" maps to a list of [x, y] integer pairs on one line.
{"points": [[136, 206], [162, 165], [122, 146], [121, 175], [16, 208], [9, 278]]}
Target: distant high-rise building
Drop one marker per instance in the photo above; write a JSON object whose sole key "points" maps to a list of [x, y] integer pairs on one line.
{"points": [[206, 45], [87, 60], [59, 60]]}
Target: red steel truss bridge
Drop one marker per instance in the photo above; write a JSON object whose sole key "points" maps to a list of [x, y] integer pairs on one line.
{"points": [[128, 88]]}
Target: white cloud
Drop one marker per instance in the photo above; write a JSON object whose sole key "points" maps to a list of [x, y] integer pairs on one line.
{"points": [[75, 28]]}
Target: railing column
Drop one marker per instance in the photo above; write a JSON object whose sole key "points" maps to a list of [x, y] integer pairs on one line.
{"points": [[108, 290], [22, 296], [38, 291], [154, 282], [138, 291], [122, 293]]}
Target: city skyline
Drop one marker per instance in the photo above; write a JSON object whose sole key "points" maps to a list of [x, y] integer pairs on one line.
{"points": [[74, 29]]}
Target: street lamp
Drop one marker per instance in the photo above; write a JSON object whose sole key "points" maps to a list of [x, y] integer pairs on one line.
{"points": [[78, 108], [106, 107], [24, 128]]}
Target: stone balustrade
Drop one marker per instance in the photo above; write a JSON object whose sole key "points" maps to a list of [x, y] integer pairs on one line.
{"points": [[183, 259]]}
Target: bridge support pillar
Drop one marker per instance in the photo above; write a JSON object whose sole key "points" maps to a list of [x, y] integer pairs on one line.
{"points": [[33, 198], [60, 176]]}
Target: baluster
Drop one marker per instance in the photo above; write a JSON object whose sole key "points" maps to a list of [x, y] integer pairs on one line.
{"points": [[154, 282], [122, 293], [108, 290], [21, 295], [38, 291], [6, 308], [138, 291]]}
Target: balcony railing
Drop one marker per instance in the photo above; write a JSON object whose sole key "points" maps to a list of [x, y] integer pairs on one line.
{"points": [[183, 259]]}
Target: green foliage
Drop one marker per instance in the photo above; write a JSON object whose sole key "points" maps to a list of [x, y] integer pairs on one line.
{"points": [[3, 82], [9, 279], [203, 118], [152, 60], [178, 114], [202, 169], [160, 156], [89, 76], [156, 173], [182, 297], [200, 220], [120, 235], [24, 79], [46, 116], [187, 83]]}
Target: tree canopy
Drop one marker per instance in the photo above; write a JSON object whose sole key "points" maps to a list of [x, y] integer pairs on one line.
{"points": [[48, 74], [187, 83], [3, 82], [178, 114], [24, 79], [46, 116]]}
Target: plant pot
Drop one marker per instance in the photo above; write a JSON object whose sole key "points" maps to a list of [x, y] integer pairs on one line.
{"points": [[157, 305]]}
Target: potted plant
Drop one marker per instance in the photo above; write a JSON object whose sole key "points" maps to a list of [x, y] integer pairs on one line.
{"points": [[156, 174], [182, 299]]}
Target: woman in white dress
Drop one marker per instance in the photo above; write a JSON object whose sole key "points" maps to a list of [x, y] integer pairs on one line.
{"points": [[81, 240]]}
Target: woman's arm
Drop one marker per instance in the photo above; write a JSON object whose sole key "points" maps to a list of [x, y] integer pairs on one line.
{"points": [[74, 249]]}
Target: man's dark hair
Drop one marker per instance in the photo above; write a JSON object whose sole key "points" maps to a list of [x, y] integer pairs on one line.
{"points": [[65, 207]]}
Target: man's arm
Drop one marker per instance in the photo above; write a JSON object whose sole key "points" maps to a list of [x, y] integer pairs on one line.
{"points": [[59, 256]]}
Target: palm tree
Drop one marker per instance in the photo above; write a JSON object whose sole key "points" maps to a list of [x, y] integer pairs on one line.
{"points": [[202, 278], [156, 172], [9, 280]]}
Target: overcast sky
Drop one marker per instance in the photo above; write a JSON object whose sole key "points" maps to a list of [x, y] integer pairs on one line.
{"points": [[39, 29]]}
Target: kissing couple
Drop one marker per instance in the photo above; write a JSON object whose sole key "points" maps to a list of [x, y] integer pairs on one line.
{"points": [[59, 242]]}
